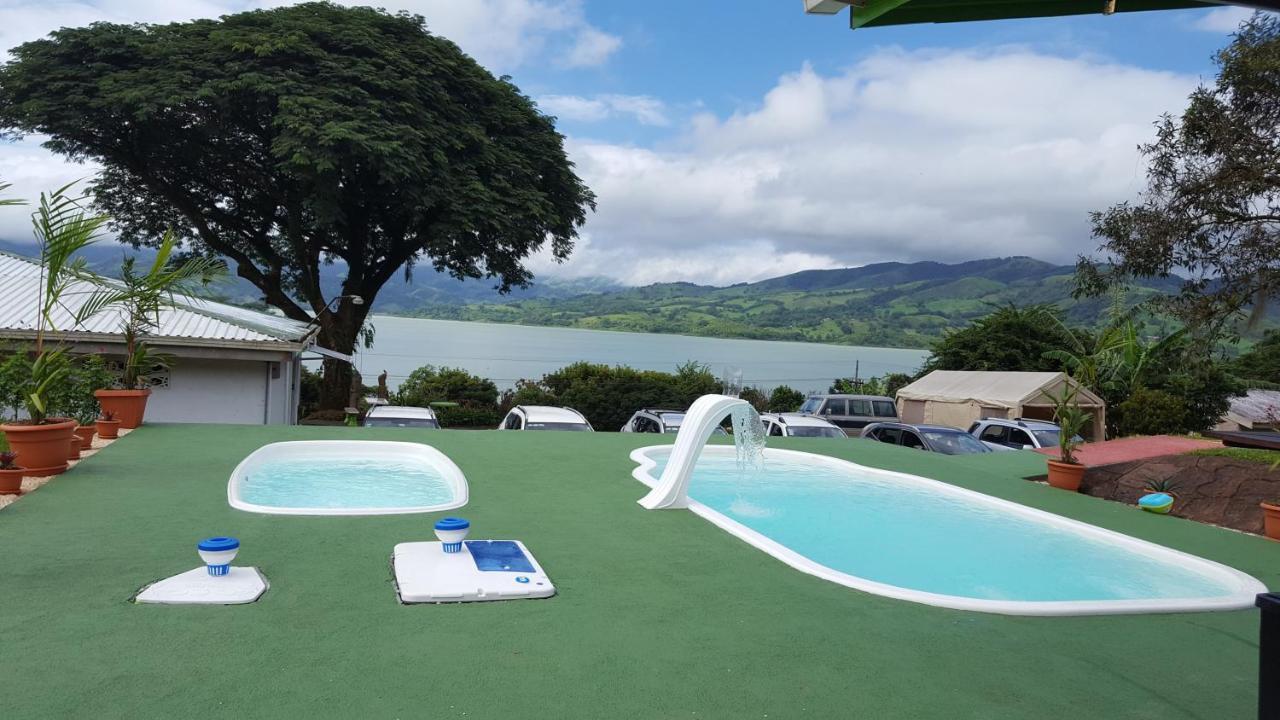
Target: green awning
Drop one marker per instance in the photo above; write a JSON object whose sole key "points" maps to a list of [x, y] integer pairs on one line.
{"points": [[876, 13]]}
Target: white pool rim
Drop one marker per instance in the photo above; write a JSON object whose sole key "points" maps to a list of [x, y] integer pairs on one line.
{"points": [[380, 449], [1243, 588]]}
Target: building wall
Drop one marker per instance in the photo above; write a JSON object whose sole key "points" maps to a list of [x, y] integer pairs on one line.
{"points": [[203, 390]]}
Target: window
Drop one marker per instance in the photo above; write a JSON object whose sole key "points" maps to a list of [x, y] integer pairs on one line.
{"points": [[835, 406], [816, 431], [912, 440], [1049, 438], [972, 427], [994, 433], [775, 429], [884, 408], [811, 405], [860, 407], [644, 424], [1018, 438], [888, 435], [513, 422], [954, 443]]}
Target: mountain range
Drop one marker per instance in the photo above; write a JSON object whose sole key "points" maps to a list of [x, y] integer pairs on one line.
{"points": [[885, 304], [890, 304]]}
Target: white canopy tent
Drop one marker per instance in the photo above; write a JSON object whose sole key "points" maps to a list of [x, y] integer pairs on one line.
{"points": [[960, 397]]}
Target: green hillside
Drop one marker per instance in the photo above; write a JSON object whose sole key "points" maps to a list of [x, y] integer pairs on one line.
{"points": [[887, 304]]}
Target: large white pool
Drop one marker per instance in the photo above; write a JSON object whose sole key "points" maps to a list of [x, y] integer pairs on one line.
{"points": [[917, 539], [346, 477]]}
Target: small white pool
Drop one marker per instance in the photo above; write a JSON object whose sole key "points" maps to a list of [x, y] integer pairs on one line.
{"points": [[346, 477]]}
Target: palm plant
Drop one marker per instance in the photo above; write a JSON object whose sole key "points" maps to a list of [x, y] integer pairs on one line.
{"points": [[1071, 419], [62, 228], [140, 297]]}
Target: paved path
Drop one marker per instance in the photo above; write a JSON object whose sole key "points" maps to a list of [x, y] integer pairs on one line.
{"points": [[1111, 452]]}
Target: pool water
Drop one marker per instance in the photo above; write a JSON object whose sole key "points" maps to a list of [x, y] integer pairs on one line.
{"points": [[346, 477], [344, 483], [912, 533]]}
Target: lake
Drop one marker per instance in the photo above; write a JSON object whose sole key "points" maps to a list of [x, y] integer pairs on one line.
{"points": [[507, 353]]}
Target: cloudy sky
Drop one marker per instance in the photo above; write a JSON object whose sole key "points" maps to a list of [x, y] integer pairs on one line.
{"points": [[735, 142]]}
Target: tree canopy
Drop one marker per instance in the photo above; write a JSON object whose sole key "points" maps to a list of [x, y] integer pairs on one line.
{"points": [[1010, 338], [1211, 208], [287, 138]]}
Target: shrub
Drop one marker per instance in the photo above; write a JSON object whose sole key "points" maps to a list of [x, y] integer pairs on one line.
{"points": [[756, 397], [785, 399], [468, 417], [74, 397], [309, 392], [476, 397], [14, 372], [1151, 412], [608, 395], [325, 416]]}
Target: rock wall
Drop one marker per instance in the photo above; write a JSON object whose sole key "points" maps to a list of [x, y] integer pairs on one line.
{"points": [[1216, 490]]}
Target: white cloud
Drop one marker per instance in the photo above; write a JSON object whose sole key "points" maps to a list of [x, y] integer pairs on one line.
{"points": [[501, 34], [1223, 19], [592, 47], [906, 156], [643, 108]]}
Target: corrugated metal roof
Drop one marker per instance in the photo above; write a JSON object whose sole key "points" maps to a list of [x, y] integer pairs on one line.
{"points": [[192, 319], [1257, 406]]}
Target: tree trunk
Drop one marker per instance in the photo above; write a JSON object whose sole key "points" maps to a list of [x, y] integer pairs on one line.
{"points": [[339, 331]]}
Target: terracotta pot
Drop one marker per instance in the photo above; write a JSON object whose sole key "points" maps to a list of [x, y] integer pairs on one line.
{"points": [[42, 449], [86, 433], [127, 405], [74, 452], [108, 429], [1065, 476], [1271, 520], [11, 482]]}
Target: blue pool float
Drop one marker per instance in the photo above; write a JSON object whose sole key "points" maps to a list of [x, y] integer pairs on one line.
{"points": [[1160, 503]]}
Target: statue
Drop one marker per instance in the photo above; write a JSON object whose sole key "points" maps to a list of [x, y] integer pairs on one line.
{"points": [[382, 386]]}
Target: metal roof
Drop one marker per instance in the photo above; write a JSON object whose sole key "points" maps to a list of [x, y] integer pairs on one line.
{"points": [[192, 321], [1256, 407]]}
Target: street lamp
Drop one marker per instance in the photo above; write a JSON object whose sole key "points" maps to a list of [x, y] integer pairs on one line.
{"points": [[355, 300]]}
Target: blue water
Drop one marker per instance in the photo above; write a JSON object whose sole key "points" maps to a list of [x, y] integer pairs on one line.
{"points": [[345, 483], [901, 533]]}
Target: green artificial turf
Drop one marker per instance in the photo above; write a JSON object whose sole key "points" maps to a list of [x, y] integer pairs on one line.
{"points": [[659, 614]]}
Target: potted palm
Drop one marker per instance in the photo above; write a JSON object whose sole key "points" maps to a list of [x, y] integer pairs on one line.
{"points": [[140, 296], [1271, 518], [63, 228], [10, 474], [1066, 472]]}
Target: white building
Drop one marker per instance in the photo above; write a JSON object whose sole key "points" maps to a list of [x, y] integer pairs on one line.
{"points": [[231, 365]]}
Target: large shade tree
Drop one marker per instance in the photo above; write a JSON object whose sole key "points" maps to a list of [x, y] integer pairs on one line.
{"points": [[1211, 209], [288, 138]]}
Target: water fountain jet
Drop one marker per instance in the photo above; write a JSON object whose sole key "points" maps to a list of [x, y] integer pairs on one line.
{"points": [[672, 490]]}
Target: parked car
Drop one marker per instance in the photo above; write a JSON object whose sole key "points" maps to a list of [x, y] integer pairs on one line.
{"points": [[1016, 434], [654, 420], [934, 438], [544, 417], [852, 412], [400, 416], [798, 425]]}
